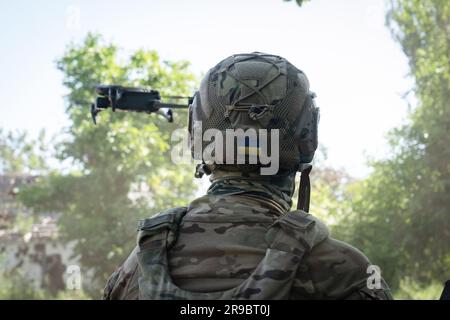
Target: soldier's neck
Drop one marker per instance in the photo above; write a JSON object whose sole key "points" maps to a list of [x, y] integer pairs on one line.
{"points": [[278, 188]]}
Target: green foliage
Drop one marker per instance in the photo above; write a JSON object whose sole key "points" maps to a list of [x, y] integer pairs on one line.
{"points": [[329, 192], [123, 170], [21, 155], [400, 214], [72, 295], [410, 289], [14, 286]]}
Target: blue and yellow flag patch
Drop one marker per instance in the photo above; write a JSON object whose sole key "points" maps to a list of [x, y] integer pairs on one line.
{"points": [[248, 147]]}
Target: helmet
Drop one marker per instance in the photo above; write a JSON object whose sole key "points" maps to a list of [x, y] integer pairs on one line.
{"points": [[258, 91]]}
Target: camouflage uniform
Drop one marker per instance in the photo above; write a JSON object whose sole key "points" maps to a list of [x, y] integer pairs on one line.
{"points": [[225, 235], [241, 241]]}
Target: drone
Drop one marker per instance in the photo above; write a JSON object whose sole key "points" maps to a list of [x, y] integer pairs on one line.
{"points": [[134, 100]]}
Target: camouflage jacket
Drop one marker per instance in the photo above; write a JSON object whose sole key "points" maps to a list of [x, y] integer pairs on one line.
{"points": [[223, 238]]}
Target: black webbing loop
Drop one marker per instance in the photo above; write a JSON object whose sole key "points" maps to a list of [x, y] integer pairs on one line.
{"points": [[304, 191]]}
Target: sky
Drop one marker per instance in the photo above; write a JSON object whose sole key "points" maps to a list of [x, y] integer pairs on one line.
{"points": [[357, 70]]}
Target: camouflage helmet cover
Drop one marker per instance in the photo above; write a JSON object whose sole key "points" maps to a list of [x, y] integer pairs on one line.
{"points": [[259, 91]]}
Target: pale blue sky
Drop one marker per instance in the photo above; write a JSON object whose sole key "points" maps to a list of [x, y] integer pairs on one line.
{"points": [[354, 66]]}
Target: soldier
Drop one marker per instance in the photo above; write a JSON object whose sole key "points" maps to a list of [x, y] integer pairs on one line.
{"points": [[241, 240]]}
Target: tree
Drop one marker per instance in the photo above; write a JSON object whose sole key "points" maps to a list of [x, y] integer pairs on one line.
{"points": [[329, 192], [21, 155], [21, 159], [400, 214], [121, 169]]}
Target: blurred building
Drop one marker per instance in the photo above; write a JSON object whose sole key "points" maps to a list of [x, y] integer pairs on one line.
{"points": [[29, 242]]}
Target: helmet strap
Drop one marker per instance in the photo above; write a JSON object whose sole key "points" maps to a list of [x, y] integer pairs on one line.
{"points": [[304, 191], [202, 169]]}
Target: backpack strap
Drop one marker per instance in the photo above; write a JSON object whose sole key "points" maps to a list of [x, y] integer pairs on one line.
{"points": [[289, 239], [161, 230], [299, 226]]}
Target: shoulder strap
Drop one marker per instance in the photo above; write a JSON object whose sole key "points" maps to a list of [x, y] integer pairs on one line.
{"points": [[289, 239], [156, 228], [297, 225]]}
